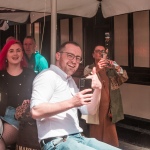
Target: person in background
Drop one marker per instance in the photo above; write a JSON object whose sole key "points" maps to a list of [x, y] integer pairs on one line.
{"points": [[111, 75], [10, 38], [15, 91], [56, 98], [35, 60]]}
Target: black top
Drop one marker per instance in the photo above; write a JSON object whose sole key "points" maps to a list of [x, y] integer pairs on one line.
{"points": [[15, 89]]}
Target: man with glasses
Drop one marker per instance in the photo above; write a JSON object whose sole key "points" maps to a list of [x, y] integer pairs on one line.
{"points": [[102, 124], [55, 100]]}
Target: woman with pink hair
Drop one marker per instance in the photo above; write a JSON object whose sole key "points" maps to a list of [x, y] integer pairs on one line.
{"points": [[15, 91], [4, 51]]}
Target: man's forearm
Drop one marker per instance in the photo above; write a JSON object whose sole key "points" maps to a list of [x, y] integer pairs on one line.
{"points": [[50, 109]]}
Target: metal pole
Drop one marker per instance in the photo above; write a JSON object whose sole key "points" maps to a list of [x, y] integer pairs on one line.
{"points": [[53, 29]]}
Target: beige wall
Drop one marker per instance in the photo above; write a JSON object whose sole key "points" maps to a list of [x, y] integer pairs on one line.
{"points": [[141, 39], [77, 31], [64, 30], [36, 36], [136, 100], [141, 32], [121, 40]]}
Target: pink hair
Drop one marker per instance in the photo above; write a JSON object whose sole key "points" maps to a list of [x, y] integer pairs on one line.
{"points": [[3, 54]]}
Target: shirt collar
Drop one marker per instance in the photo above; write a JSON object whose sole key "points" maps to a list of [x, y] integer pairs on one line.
{"points": [[60, 72]]}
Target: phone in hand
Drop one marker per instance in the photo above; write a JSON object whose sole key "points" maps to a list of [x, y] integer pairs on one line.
{"points": [[85, 83], [104, 54]]}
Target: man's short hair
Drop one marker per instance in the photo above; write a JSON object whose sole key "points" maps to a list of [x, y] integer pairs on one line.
{"points": [[65, 43], [30, 37]]}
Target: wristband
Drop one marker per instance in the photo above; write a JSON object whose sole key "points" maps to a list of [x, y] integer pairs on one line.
{"points": [[117, 67]]}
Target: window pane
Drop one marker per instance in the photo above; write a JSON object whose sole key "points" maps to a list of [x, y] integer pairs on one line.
{"points": [[36, 36], [77, 30], [64, 30], [121, 39], [141, 39]]}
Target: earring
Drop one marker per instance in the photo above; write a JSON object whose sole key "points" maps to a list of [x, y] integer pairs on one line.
{"points": [[6, 60]]}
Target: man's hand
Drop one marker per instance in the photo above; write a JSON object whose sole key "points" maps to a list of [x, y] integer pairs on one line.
{"points": [[96, 84], [82, 98]]}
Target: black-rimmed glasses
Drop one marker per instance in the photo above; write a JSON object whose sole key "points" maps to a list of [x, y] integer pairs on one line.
{"points": [[71, 56], [100, 51]]}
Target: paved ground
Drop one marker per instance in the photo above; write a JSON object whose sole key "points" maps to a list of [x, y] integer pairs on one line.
{"points": [[127, 146]]}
